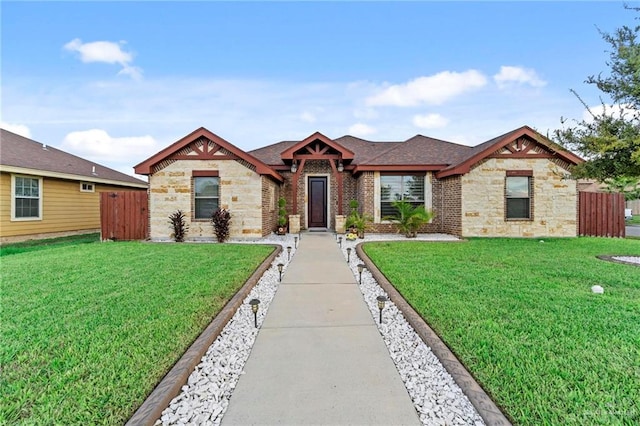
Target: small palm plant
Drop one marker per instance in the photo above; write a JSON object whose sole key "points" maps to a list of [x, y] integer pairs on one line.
{"points": [[409, 218]]}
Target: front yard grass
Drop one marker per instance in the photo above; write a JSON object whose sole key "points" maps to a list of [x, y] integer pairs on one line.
{"points": [[521, 316], [88, 330]]}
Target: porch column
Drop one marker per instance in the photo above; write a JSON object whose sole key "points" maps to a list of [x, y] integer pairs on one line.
{"points": [[339, 182], [296, 176]]}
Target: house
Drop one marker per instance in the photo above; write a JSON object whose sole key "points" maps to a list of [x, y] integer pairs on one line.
{"points": [[512, 185], [46, 192]]}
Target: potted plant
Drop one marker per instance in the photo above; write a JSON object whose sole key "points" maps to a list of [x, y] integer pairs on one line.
{"points": [[282, 217], [356, 222], [409, 218]]}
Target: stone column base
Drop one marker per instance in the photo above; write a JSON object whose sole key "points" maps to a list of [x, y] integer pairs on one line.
{"points": [[340, 221], [294, 223]]}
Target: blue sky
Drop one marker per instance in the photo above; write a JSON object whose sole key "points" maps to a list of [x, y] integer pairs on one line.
{"points": [[115, 82]]}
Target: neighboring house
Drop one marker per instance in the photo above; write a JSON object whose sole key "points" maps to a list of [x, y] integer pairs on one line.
{"points": [[513, 185], [46, 192]]}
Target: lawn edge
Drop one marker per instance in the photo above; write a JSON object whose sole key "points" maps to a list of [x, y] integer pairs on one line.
{"points": [[171, 384], [488, 410]]}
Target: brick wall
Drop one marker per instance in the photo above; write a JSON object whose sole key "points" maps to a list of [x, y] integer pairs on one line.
{"points": [[448, 204], [317, 167], [270, 196]]}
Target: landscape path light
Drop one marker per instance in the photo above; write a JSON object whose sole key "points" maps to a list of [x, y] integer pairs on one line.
{"points": [[254, 308], [288, 253], [295, 242], [340, 241], [280, 266], [361, 267], [381, 302], [348, 254]]}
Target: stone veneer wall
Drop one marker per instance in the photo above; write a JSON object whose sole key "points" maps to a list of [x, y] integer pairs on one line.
{"points": [[241, 192], [270, 196], [554, 200], [449, 204]]}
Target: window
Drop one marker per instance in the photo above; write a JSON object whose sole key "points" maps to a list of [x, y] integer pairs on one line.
{"points": [[27, 202], [206, 196], [400, 187], [87, 187], [518, 195]]}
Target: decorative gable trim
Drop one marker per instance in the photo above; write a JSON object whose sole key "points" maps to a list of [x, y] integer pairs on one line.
{"points": [[313, 151], [202, 144], [521, 143]]}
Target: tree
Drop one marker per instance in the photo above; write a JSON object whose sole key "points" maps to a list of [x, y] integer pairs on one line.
{"points": [[610, 141]]}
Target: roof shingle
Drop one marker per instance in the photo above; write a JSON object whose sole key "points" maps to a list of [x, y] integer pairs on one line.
{"points": [[18, 151]]}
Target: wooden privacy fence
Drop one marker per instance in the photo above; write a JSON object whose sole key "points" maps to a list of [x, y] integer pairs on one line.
{"points": [[601, 214], [124, 215]]}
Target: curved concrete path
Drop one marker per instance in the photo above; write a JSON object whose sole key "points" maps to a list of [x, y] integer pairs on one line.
{"points": [[319, 358]]}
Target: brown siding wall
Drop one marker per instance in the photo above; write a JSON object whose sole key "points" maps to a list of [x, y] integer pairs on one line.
{"points": [[65, 210]]}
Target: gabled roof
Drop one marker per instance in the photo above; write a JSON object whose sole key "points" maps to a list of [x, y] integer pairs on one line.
{"points": [[345, 153], [145, 167], [484, 150], [417, 153], [23, 155]]}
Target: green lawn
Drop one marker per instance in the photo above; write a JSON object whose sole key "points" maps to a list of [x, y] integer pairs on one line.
{"points": [[88, 330], [520, 315], [35, 245], [635, 220]]}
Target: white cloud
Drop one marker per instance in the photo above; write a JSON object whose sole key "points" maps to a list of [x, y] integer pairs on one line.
{"points": [[308, 117], [97, 145], [615, 110], [106, 52], [430, 121], [361, 129], [517, 76], [432, 90], [18, 129]]}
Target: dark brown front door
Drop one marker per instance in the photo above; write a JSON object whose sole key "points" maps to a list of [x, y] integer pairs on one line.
{"points": [[317, 202]]}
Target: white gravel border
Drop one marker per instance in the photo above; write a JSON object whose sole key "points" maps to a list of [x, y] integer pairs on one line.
{"points": [[205, 397], [436, 396]]}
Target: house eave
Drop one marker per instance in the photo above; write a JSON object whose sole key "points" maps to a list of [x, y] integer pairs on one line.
{"points": [[69, 176], [145, 167], [398, 167]]}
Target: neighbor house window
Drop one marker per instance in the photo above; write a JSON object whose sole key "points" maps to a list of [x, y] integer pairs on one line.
{"points": [[27, 197], [206, 194], [518, 194], [400, 187], [87, 187]]}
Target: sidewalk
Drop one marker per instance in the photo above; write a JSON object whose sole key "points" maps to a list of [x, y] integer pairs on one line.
{"points": [[319, 358]]}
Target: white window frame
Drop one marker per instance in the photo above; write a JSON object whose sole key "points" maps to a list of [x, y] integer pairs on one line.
{"points": [[92, 187], [428, 195], [13, 198], [195, 197]]}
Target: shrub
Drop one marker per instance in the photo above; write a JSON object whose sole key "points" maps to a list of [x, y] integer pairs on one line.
{"points": [[282, 212], [409, 218], [179, 225], [221, 220]]}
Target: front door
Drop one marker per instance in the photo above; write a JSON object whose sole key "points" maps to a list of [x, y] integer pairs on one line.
{"points": [[317, 202]]}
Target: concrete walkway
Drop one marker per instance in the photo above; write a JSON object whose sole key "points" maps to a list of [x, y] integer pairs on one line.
{"points": [[319, 358]]}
